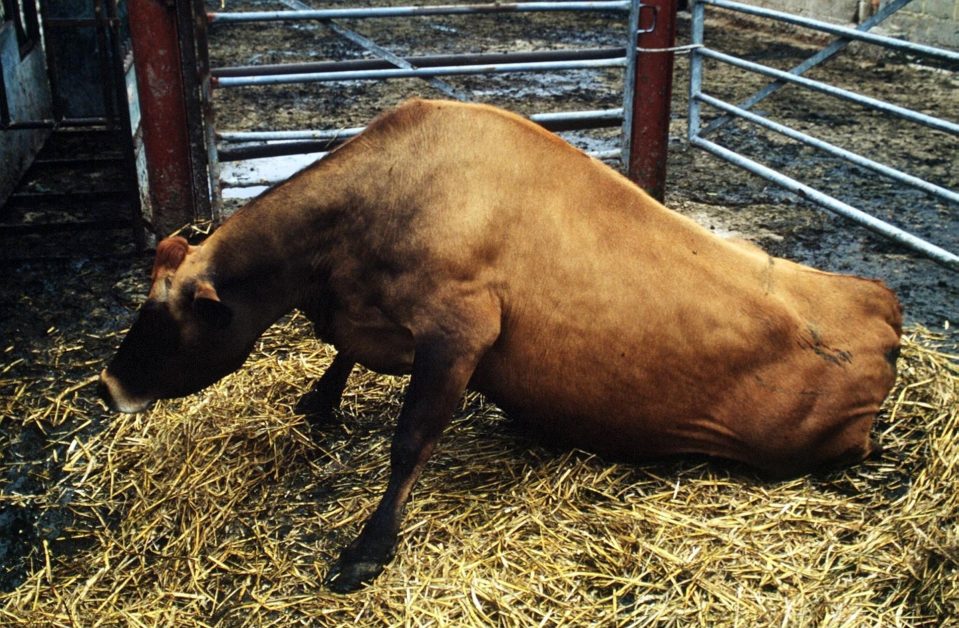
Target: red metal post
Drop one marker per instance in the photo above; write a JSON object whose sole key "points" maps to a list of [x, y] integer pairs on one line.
{"points": [[153, 27], [651, 100]]}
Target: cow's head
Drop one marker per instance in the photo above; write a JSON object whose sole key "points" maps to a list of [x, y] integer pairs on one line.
{"points": [[184, 338]]}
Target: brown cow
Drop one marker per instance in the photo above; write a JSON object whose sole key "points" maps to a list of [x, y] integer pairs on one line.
{"points": [[471, 248]]}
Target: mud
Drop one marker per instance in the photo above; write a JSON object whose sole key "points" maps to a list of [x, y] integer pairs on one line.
{"points": [[60, 319]]}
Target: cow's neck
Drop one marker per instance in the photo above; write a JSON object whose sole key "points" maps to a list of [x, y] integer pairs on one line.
{"points": [[273, 254]]}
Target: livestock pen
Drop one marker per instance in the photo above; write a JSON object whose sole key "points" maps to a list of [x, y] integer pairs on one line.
{"points": [[226, 508]]}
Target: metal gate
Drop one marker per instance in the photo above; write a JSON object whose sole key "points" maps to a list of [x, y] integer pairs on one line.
{"points": [[697, 131], [651, 24]]}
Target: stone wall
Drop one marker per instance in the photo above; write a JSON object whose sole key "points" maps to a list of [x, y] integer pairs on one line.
{"points": [[934, 22]]}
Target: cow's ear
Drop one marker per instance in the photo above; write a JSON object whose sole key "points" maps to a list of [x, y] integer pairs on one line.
{"points": [[209, 308], [170, 254]]}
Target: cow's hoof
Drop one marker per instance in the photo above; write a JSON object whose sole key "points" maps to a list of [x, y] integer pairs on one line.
{"points": [[316, 406], [349, 576]]}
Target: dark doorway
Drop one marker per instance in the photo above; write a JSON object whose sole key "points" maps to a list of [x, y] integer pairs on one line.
{"points": [[82, 188]]}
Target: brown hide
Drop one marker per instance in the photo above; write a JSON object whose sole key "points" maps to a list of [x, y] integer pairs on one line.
{"points": [[577, 302]]}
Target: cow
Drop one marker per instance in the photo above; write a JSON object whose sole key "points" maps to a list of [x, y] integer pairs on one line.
{"points": [[469, 248]]}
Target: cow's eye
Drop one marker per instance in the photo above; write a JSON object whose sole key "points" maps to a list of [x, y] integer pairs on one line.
{"points": [[156, 328]]}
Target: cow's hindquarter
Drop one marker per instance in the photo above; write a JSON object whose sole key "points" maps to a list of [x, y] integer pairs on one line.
{"points": [[842, 358], [646, 336]]}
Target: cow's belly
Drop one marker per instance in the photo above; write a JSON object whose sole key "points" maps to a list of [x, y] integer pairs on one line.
{"points": [[628, 415], [608, 405], [374, 343]]}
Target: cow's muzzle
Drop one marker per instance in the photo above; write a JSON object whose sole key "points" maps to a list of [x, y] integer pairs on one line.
{"points": [[116, 399]]}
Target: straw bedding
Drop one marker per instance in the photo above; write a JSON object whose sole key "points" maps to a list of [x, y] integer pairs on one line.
{"points": [[225, 508]]}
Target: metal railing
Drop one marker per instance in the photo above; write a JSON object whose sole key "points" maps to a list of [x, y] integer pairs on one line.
{"points": [[359, 13], [698, 98], [236, 145]]}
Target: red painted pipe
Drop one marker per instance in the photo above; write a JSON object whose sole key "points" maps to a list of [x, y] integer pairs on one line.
{"points": [[651, 101], [165, 136]]}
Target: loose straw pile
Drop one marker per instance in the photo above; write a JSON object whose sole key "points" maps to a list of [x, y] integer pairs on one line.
{"points": [[226, 508]]}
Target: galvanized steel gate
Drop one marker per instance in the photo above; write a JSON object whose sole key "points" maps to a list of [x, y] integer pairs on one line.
{"points": [[698, 97], [650, 23]]}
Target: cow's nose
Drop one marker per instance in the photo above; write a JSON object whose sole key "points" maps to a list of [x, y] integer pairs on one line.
{"points": [[103, 391]]}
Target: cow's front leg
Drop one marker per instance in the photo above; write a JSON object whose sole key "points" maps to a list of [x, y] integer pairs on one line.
{"points": [[319, 404], [441, 370]]}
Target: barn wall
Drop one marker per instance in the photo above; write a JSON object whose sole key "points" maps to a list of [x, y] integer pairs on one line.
{"points": [[930, 21], [28, 96], [843, 11], [934, 22]]}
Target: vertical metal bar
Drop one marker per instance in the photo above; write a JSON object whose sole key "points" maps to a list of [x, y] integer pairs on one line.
{"points": [[204, 76], [107, 88], [166, 140], [4, 107], [190, 19], [57, 112], [695, 68], [654, 88], [124, 125], [629, 81]]}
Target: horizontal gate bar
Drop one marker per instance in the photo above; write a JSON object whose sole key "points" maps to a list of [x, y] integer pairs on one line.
{"points": [[235, 182], [551, 120], [859, 160], [873, 103], [259, 150], [429, 61], [848, 33], [548, 120], [305, 134], [614, 153], [57, 227], [936, 253], [50, 123], [34, 200], [374, 12], [250, 144], [394, 59], [837, 46], [367, 75], [75, 23]]}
